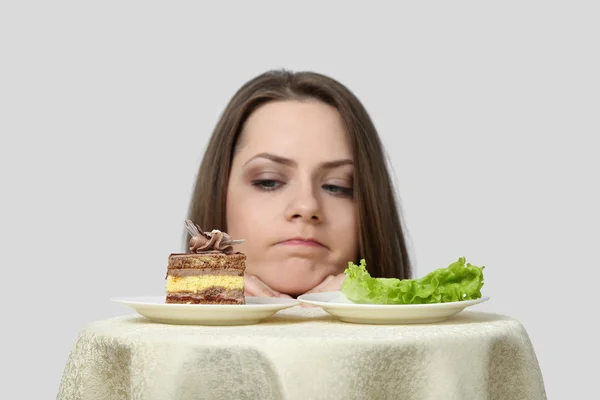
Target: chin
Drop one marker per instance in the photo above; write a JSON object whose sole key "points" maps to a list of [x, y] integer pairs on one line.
{"points": [[293, 277], [293, 281], [293, 287], [294, 284]]}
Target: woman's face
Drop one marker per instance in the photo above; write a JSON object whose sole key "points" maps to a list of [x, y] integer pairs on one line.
{"points": [[290, 195]]}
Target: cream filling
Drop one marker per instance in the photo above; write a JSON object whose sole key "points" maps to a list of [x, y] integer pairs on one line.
{"points": [[196, 283]]}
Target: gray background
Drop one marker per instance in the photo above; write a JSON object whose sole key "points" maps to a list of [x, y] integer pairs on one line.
{"points": [[488, 112]]}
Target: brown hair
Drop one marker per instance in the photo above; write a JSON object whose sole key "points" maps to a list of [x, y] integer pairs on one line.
{"points": [[381, 237]]}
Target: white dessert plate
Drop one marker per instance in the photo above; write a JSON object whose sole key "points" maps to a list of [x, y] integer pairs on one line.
{"points": [[336, 304], [255, 310]]}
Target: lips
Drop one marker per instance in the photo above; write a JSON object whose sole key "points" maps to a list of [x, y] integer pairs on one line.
{"points": [[303, 242]]}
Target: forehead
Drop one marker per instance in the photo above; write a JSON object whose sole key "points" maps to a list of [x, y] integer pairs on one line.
{"points": [[302, 130]]}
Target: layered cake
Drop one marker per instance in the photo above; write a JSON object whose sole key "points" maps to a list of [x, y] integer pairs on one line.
{"points": [[210, 273]]}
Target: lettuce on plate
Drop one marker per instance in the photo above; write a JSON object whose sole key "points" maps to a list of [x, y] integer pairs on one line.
{"points": [[457, 282]]}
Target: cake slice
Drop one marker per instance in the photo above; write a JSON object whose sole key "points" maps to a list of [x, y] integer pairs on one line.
{"points": [[211, 273]]}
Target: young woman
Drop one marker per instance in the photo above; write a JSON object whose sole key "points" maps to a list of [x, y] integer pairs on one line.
{"points": [[295, 167]]}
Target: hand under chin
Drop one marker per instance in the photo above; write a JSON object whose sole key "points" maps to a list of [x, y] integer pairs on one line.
{"points": [[294, 277], [294, 286]]}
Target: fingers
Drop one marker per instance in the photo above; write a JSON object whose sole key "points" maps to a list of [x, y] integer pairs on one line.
{"points": [[327, 285], [330, 284], [253, 286], [322, 285]]}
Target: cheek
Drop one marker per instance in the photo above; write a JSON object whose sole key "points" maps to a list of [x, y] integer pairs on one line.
{"points": [[248, 217], [342, 216], [345, 229], [238, 217]]}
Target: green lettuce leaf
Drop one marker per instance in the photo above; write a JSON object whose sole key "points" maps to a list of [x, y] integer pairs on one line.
{"points": [[457, 282]]}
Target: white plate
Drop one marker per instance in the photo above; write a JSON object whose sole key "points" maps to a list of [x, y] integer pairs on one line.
{"points": [[336, 304], [256, 309]]}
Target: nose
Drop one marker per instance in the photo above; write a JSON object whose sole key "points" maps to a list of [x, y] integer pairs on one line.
{"points": [[304, 205]]}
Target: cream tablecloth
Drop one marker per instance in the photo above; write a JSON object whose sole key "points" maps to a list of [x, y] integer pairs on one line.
{"points": [[303, 353]]}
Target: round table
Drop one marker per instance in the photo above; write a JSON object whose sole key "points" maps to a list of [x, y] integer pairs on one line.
{"points": [[304, 353]]}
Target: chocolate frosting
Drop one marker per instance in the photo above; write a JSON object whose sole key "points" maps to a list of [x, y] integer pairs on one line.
{"points": [[215, 240], [204, 242]]}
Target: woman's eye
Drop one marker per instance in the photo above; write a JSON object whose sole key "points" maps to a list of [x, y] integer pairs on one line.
{"points": [[338, 190], [267, 184]]}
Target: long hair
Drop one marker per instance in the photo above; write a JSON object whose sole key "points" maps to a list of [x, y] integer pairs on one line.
{"points": [[381, 237]]}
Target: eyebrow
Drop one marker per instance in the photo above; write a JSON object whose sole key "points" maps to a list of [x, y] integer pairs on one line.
{"points": [[292, 163]]}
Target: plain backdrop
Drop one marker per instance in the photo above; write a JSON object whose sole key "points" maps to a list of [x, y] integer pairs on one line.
{"points": [[489, 112]]}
